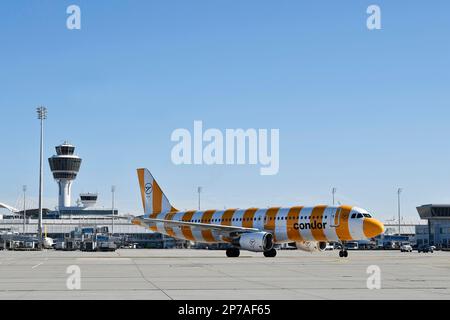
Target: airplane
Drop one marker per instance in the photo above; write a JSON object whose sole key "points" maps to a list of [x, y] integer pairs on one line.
{"points": [[253, 229]]}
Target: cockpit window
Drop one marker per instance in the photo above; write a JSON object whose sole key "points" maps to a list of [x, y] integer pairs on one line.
{"points": [[359, 215], [367, 215], [353, 216]]}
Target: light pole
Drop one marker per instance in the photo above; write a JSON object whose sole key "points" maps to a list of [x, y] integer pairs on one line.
{"points": [[113, 191], [399, 191], [199, 190], [24, 207], [333, 191], [42, 115]]}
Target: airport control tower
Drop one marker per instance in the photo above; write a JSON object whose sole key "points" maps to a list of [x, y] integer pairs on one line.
{"points": [[65, 167]]}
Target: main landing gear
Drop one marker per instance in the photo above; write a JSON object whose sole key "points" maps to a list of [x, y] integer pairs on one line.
{"points": [[233, 252], [270, 254]]}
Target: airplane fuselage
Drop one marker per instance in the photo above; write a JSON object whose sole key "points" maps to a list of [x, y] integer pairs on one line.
{"points": [[295, 224]]}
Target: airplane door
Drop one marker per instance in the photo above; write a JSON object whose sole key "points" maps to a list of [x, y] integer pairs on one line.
{"points": [[335, 218]]}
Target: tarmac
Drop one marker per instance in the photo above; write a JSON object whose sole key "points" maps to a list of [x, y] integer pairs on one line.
{"points": [[209, 275]]}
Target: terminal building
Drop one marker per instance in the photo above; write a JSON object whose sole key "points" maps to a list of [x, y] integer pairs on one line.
{"points": [[437, 230], [66, 217]]}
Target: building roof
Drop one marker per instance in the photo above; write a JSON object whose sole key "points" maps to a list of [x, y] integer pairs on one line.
{"points": [[434, 211], [5, 206]]}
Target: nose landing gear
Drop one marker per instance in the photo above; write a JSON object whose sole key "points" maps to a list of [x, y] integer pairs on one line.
{"points": [[343, 253]]}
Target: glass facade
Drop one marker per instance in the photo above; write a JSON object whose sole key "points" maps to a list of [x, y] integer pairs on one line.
{"points": [[78, 212], [440, 211], [65, 150], [65, 164], [88, 198]]}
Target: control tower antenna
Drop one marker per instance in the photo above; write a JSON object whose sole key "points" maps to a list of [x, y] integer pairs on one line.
{"points": [[65, 167]]}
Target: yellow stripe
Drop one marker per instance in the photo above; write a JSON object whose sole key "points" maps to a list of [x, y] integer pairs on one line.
{"points": [[292, 233], [186, 230], [249, 215], [317, 217], [142, 186], [207, 234], [342, 230]]}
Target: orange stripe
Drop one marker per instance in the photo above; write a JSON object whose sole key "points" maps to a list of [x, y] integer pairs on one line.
{"points": [[249, 215], [186, 230], [169, 230], [154, 228], [342, 230], [270, 222], [207, 234], [292, 233], [142, 185], [227, 216], [270, 219], [316, 218], [136, 222], [157, 198]]}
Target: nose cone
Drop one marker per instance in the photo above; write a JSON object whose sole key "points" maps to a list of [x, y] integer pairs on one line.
{"points": [[372, 227]]}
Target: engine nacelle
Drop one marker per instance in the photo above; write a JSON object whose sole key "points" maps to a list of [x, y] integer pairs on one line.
{"points": [[256, 242], [311, 246]]}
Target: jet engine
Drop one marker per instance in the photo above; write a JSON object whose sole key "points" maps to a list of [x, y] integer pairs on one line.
{"points": [[311, 246], [256, 242]]}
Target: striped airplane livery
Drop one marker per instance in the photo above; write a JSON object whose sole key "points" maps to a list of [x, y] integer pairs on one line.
{"points": [[256, 230]]}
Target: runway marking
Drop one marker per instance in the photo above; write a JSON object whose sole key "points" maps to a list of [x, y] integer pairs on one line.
{"points": [[39, 264]]}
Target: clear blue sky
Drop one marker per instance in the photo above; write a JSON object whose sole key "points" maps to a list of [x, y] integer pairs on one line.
{"points": [[364, 111]]}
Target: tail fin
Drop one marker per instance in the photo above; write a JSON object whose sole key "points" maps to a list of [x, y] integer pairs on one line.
{"points": [[153, 199]]}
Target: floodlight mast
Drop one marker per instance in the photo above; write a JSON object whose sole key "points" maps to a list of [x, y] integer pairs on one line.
{"points": [[42, 115]]}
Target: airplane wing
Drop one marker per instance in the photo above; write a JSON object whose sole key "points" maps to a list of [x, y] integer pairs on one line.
{"points": [[228, 230]]}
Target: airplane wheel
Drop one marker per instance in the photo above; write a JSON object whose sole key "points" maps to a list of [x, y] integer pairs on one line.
{"points": [[341, 254], [270, 254], [345, 254], [233, 253]]}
